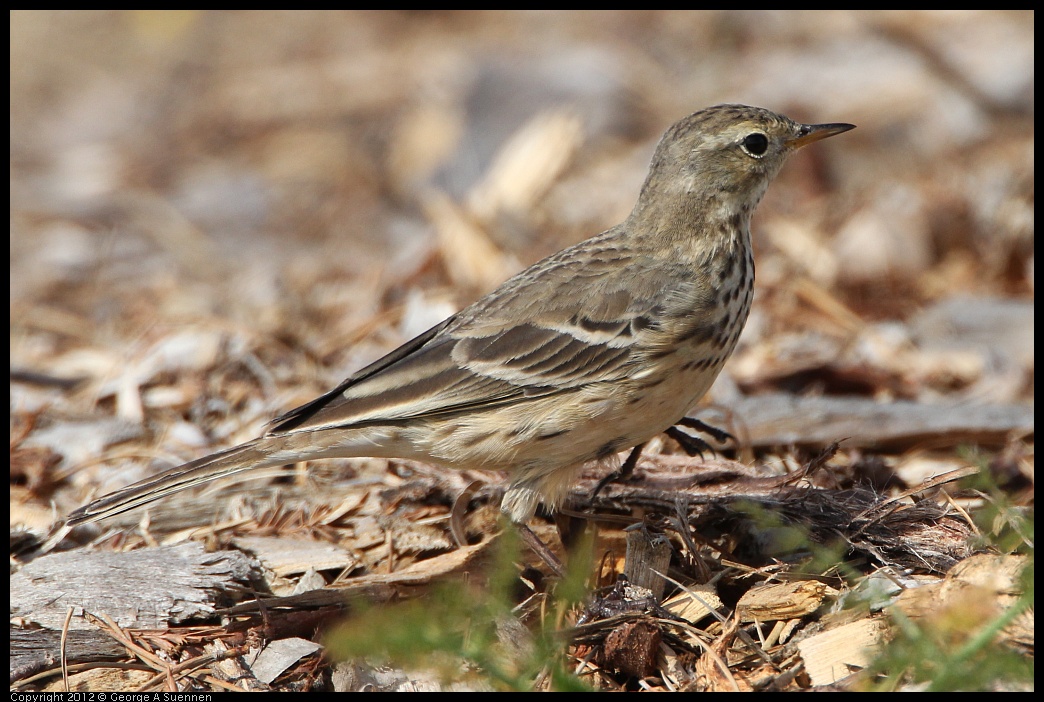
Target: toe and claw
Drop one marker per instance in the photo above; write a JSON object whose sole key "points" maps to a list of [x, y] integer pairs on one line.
{"points": [[692, 445]]}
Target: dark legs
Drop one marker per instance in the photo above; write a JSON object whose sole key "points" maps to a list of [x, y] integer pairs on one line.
{"points": [[692, 445]]}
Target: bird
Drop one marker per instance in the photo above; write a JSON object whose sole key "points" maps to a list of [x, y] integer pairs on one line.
{"points": [[591, 351]]}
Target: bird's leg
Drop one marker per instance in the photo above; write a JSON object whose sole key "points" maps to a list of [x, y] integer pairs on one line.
{"points": [[541, 550], [719, 435], [692, 445], [624, 471]]}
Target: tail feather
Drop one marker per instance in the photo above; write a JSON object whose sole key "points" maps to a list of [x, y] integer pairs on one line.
{"points": [[203, 470]]}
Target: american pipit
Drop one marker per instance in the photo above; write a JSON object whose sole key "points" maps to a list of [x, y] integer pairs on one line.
{"points": [[588, 352]]}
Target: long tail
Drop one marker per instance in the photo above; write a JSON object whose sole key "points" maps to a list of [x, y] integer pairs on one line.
{"points": [[237, 459]]}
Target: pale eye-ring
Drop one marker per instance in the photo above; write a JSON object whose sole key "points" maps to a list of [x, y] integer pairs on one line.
{"points": [[755, 144]]}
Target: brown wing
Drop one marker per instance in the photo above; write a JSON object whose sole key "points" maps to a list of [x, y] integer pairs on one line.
{"points": [[554, 328]]}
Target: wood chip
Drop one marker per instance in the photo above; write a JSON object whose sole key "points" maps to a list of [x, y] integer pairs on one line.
{"points": [[783, 419], [694, 603], [148, 588], [284, 556], [978, 589], [837, 653], [772, 601], [275, 657], [648, 555], [631, 648]]}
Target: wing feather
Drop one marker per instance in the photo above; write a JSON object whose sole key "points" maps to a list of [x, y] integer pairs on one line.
{"points": [[553, 332]]}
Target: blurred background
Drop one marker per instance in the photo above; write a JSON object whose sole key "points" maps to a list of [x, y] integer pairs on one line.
{"points": [[217, 215]]}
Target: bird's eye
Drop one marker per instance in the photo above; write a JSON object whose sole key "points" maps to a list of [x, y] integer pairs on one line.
{"points": [[755, 144]]}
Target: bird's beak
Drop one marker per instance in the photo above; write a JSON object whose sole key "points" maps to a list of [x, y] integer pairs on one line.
{"points": [[814, 132]]}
